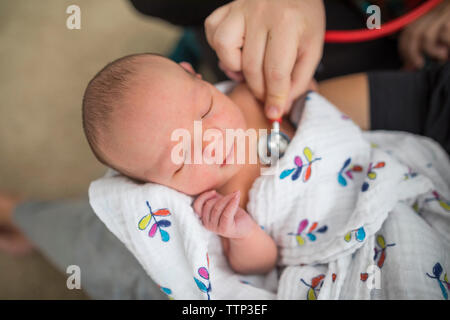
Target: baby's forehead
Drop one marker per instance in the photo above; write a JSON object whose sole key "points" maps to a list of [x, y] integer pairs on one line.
{"points": [[161, 90], [158, 65], [165, 102]]}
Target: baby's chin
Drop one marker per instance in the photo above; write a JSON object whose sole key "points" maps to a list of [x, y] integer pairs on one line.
{"points": [[222, 177]]}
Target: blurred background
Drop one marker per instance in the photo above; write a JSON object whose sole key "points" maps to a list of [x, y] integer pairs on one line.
{"points": [[45, 68]]}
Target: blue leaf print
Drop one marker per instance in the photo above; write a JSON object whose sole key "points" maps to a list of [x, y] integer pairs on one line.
{"points": [[164, 235], [201, 285], [164, 223], [286, 173]]}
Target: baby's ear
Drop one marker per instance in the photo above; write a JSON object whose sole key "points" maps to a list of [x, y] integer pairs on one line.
{"points": [[188, 67]]}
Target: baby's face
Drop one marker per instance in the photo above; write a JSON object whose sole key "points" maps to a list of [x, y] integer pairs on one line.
{"points": [[166, 97]]}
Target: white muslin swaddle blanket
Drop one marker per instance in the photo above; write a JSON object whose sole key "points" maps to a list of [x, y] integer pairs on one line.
{"points": [[355, 216]]}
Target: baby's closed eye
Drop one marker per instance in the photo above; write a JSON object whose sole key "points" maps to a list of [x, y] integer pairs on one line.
{"points": [[209, 108]]}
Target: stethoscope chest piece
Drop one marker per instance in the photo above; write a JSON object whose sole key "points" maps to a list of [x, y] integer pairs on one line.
{"points": [[272, 147]]}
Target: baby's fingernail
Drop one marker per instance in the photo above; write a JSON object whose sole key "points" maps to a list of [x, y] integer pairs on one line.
{"points": [[273, 112]]}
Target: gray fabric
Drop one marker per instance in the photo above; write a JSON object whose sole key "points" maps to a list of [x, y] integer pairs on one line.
{"points": [[69, 233]]}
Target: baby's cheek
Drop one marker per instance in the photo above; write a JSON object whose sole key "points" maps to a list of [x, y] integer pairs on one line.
{"points": [[238, 119]]}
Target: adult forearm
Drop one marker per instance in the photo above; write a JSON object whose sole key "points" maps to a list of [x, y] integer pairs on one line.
{"points": [[350, 94]]}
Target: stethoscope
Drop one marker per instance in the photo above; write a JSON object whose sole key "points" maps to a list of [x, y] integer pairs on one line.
{"points": [[274, 145]]}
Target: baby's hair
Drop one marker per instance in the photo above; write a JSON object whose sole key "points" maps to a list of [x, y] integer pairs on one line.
{"points": [[103, 94]]}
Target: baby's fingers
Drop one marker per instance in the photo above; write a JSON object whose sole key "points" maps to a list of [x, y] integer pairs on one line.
{"points": [[201, 200], [227, 217], [218, 210]]}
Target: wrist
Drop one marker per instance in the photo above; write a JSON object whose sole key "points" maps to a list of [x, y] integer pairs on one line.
{"points": [[252, 231]]}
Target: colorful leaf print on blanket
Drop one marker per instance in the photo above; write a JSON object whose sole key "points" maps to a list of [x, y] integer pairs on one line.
{"points": [[348, 172], [442, 202], [204, 274], [167, 291], [314, 287], [310, 234], [437, 272], [381, 253], [363, 276], [410, 174], [360, 235], [371, 174], [157, 224], [299, 166]]}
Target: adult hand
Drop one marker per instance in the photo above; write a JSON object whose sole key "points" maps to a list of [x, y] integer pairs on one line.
{"points": [[429, 35], [275, 45]]}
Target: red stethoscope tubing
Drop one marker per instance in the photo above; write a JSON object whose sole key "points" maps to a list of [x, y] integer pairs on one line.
{"points": [[346, 36]]}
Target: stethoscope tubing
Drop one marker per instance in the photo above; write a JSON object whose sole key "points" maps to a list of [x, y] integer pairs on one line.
{"points": [[391, 27]]}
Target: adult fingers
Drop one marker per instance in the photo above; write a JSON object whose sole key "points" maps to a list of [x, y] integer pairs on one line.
{"points": [[410, 47], [430, 42], [236, 76], [253, 59], [444, 35], [279, 60], [303, 73], [213, 21], [228, 40]]}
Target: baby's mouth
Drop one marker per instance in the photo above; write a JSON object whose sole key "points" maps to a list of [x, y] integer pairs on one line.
{"points": [[228, 157]]}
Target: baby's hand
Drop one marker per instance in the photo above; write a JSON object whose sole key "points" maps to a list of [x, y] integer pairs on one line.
{"points": [[222, 214]]}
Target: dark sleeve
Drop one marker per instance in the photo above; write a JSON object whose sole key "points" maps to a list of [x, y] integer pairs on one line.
{"points": [[416, 102], [179, 12]]}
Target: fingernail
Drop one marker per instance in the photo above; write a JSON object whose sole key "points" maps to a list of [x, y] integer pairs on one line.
{"points": [[273, 112]]}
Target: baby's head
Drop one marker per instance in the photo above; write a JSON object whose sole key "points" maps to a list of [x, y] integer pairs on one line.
{"points": [[134, 104]]}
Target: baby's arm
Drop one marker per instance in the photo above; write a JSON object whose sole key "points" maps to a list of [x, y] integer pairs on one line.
{"points": [[248, 248], [350, 94]]}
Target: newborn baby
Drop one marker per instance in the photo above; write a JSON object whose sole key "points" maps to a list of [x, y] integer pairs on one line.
{"points": [[130, 110], [336, 197]]}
